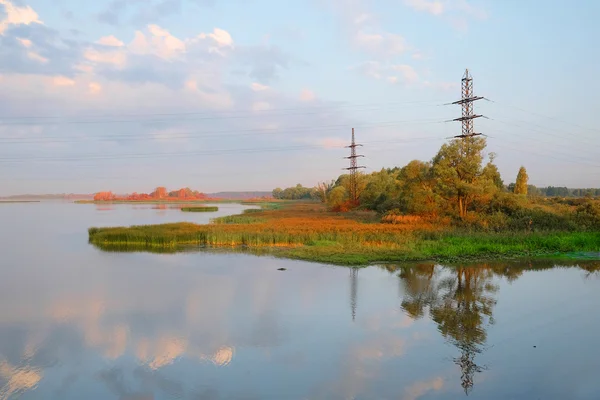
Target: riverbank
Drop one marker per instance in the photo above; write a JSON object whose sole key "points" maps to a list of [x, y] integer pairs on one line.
{"points": [[309, 232]]}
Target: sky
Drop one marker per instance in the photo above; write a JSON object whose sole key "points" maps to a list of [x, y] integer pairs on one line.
{"points": [[127, 95]]}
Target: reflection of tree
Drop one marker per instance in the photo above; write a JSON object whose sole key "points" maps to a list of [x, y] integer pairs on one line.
{"points": [[460, 303]]}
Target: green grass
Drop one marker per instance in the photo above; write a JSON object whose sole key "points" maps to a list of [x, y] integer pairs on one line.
{"points": [[418, 247], [199, 209]]}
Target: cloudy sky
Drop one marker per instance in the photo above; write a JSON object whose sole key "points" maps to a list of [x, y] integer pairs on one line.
{"points": [[126, 95]]}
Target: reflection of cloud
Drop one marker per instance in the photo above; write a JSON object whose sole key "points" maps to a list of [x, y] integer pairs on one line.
{"points": [[222, 357], [18, 379], [418, 389], [167, 350]]}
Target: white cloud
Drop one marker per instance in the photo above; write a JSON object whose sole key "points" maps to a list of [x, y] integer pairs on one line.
{"points": [[159, 43], [17, 16], [110, 41], [408, 72], [115, 57], [381, 43], [94, 88], [307, 95], [261, 106], [257, 87], [220, 36], [35, 56], [434, 7], [456, 12], [63, 81], [221, 39], [25, 42]]}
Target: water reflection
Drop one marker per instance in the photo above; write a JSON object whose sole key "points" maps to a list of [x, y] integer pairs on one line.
{"points": [[461, 300], [201, 326]]}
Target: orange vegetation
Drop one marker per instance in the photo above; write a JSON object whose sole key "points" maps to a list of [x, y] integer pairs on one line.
{"points": [[160, 193]]}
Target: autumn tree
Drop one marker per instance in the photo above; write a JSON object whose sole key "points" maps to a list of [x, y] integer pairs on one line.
{"points": [[521, 184], [104, 196], [458, 171], [160, 193]]}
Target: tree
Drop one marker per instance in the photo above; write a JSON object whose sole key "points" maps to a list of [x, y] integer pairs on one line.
{"points": [[521, 184], [323, 190], [491, 172], [458, 171], [417, 188], [104, 196], [337, 197], [380, 187], [277, 192], [159, 193]]}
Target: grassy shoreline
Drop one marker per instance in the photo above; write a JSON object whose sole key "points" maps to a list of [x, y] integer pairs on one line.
{"points": [[308, 232]]}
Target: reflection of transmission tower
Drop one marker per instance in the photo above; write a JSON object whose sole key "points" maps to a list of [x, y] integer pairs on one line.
{"points": [[467, 107], [354, 169], [353, 290]]}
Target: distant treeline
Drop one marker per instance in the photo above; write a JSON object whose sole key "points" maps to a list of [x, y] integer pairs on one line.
{"points": [[552, 191], [297, 192]]}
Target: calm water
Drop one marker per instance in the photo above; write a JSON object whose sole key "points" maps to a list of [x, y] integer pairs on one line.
{"points": [[77, 323]]}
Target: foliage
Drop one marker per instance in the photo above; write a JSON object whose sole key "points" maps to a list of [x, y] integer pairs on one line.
{"points": [[522, 179], [297, 192], [160, 193]]}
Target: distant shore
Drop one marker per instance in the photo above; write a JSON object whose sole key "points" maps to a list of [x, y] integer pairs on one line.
{"points": [[157, 201], [309, 232], [20, 201]]}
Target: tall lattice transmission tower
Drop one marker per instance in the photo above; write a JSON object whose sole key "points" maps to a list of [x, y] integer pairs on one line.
{"points": [[467, 107], [354, 167]]}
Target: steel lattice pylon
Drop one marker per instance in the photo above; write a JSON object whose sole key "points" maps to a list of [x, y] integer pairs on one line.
{"points": [[354, 167], [467, 107]]}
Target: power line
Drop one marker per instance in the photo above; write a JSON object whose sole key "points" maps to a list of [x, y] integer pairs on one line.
{"points": [[199, 115], [544, 116], [93, 157], [236, 132]]}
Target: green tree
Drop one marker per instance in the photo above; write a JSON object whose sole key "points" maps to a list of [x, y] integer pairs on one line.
{"points": [[490, 171], [417, 188], [521, 184], [277, 192], [337, 196], [459, 173], [379, 187]]}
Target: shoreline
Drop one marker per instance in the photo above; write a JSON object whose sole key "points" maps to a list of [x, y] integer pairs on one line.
{"points": [[306, 231]]}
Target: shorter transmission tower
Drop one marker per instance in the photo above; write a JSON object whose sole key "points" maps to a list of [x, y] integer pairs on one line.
{"points": [[354, 167], [467, 107]]}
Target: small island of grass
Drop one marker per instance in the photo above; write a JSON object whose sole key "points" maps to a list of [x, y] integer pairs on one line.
{"points": [[200, 209], [308, 231]]}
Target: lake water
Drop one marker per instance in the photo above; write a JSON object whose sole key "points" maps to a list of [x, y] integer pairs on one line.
{"points": [[78, 323]]}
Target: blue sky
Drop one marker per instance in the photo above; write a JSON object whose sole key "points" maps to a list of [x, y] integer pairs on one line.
{"points": [[127, 95]]}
